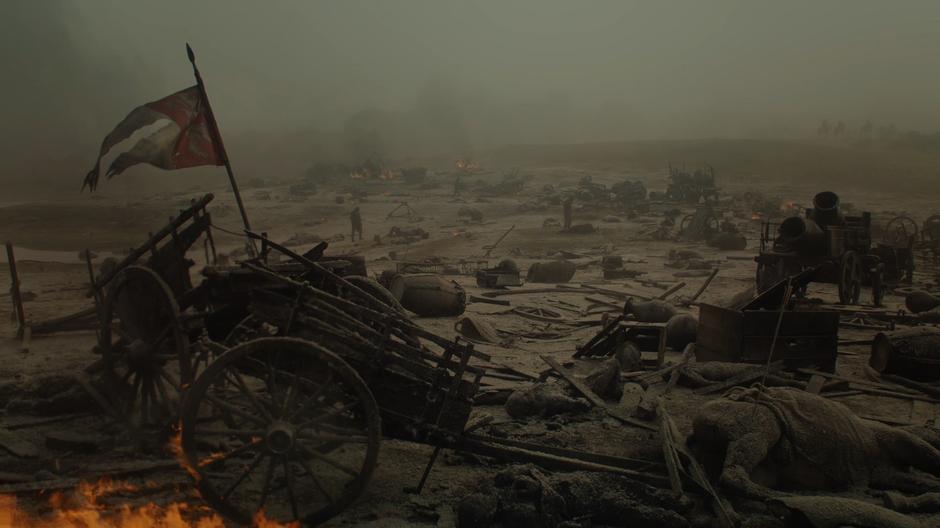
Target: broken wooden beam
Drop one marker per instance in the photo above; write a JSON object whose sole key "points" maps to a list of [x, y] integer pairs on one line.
{"points": [[929, 390], [702, 289], [552, 461], [670, 291], [670, 455], [815, 384], [487, 300], [591, 395], [95, 473], [15, 293]]}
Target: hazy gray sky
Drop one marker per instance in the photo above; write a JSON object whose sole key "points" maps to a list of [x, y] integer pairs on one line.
{"points": [[454, 76]]}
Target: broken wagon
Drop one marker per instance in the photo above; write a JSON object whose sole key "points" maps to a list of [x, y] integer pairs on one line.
{"points": [[839, 247], [281, 377]]}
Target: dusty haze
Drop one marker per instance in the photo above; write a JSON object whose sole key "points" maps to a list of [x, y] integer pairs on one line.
{"points": [[296, 82]]}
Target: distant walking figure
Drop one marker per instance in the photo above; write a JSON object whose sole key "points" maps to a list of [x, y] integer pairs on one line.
{"points": [[356, 220], [567, 205]]}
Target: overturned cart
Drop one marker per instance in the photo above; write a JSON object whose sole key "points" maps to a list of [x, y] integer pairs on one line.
{"points": [[303, 388], [283, 378]]}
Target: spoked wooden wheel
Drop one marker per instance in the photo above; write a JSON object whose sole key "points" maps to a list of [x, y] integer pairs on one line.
{"points": [[685, 223], [931, 229], [900, 231], [145, 352], [850, 278], [280, 426]]}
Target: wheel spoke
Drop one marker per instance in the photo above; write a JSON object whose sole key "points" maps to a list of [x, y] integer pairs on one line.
{"points": [[316, 482], [316, 395], [333, 412], [164, 397], [291, 394], [239, 433], [173, 383], [288, 479], [235, 410], [327, 460], [133, 395], [351, 439], [248, 469], [252, 397], [266, 488], [221, 457]]}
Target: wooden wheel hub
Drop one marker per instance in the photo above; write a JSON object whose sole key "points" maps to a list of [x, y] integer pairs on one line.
{"points": [[279, 437]]}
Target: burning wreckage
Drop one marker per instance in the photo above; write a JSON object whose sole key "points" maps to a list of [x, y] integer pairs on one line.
{"points": [[275, 379], [280, 378]]}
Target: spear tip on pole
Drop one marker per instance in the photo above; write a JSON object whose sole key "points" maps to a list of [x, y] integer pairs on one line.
{"points": [[189, 52]]}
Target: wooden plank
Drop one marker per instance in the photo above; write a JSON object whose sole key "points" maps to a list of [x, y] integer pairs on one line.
{"points": [[592, 396], [896, 395], [93, 474], [727, 518], [15, 294], [669, 451], [854, 381], [815, 384], [929, 390], [705, 285], [670, 291], [551, 461]]}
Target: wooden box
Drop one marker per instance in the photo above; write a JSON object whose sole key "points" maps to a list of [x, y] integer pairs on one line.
{"points": [[805, 339]]}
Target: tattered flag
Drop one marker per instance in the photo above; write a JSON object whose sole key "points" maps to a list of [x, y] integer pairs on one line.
{"points": [[186, 141]]}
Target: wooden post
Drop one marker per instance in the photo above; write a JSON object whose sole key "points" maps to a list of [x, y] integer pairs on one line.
{"points": [[15, 292], [217, 140]]}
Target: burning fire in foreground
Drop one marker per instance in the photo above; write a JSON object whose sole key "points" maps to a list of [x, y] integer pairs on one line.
{"points": [[87, 508], [84, 509]]}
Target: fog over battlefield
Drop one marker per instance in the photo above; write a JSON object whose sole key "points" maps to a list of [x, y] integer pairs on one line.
{"points": [[293, 82]]}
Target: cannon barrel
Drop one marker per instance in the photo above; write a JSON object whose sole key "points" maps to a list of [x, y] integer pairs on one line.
{"points": [[801, 234], [826, 209]]}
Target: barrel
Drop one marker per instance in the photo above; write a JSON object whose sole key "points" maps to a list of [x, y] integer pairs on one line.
{"points": [[912, 353], [921, 301], [802, 234], [429, 295], [553, 271], [655, 311], [826, 209], [681, 330]]}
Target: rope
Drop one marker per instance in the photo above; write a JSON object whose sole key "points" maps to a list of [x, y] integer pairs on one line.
{"points": [[773, 342]]}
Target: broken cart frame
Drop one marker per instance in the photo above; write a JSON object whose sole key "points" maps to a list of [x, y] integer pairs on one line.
{"points": [[283, 379]]}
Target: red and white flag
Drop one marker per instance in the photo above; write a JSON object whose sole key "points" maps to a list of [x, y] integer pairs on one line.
{"points": [[186, 141]]}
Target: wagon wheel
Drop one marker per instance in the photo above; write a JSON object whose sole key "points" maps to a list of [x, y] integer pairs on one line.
{"points": [[877, 284], [300, 436], [712, 223], [539, 314], [931, 229], [685, 223], [850, 278], [901, 230], [148, 365]]}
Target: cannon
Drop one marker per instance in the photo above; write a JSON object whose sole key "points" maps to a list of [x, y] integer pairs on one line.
{"points": [[838, 246]]}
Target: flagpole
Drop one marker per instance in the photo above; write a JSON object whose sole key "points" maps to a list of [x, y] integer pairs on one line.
{"points": [[217, 140]]}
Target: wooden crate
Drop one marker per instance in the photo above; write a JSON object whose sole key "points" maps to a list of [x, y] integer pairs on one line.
{"points": [[805, 338]]}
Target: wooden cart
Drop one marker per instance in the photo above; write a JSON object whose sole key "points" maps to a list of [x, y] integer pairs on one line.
{"points": [[838, 246]]}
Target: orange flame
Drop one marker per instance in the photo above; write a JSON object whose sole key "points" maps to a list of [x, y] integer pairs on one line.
{"points": [[83, 508]]}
